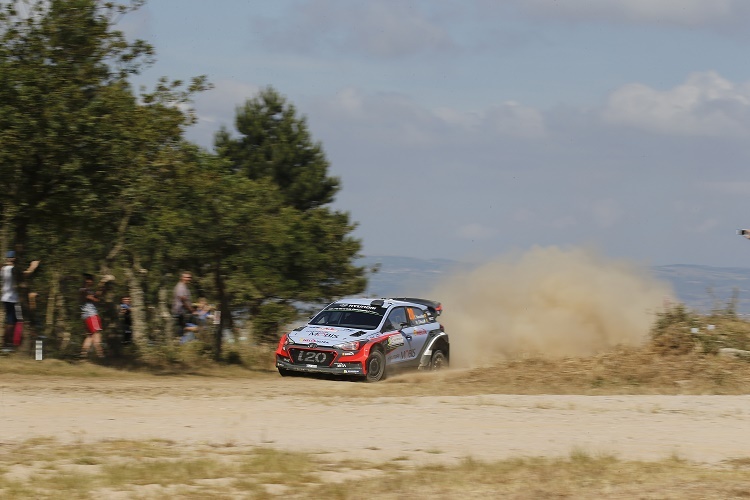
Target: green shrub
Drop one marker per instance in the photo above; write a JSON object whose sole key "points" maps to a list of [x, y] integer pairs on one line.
{"points": [[679, 331]]}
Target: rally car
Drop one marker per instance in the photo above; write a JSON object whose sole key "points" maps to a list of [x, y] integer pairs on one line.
{"points": [[367, 338]]}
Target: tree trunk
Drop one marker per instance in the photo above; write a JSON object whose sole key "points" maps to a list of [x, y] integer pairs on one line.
{"points": [[138, 308], [224, 318], [62, 321], [54, 290], [166, 317]]}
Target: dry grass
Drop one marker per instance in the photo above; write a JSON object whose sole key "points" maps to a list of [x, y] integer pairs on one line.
{"points": [[622, 371], [43, 468]]}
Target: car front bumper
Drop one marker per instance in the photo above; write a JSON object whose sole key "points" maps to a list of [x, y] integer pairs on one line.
{"points": [[349, 368]]}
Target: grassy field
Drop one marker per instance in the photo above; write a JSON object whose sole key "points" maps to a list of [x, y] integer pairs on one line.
{"points": [[46, 468], [43, 468]]}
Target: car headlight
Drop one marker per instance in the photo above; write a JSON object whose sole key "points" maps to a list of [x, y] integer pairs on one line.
{"points": [[350, 346], [286, 341]]}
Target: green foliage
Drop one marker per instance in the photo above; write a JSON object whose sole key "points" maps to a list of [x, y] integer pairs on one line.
{"points": [[680, 331], [274, 144], [309, 256], [99, 178]]}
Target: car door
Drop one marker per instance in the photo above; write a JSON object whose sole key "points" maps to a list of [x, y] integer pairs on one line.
{"points": [[405, 345], [417, 332]]}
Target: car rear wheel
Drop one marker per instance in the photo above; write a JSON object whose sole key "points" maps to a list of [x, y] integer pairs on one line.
{"points": [[438, 361], [376, 366]]}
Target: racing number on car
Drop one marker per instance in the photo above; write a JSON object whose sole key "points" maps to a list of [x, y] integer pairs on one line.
{"points": [[311, 357]]}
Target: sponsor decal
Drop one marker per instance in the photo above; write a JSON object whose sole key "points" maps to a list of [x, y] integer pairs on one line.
{"points": [[321, 333], [420, 331], [408, 353], [348, 353], [395, 340], [357, 306], [401, 355]]}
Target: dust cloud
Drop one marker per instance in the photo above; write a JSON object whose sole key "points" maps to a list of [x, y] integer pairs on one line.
{"points": [[548, 302]]}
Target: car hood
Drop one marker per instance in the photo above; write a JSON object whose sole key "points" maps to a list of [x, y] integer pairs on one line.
{"points": [[328, 336]]}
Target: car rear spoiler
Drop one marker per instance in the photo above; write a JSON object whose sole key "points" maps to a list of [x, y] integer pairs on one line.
{"points": [[435, 307]]}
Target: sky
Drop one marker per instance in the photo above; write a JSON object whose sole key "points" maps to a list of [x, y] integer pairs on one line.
{"points": [[475, 128]]}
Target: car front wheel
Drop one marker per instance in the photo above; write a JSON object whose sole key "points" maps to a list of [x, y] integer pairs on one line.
{"points": [[438, 361], [376, 366]]}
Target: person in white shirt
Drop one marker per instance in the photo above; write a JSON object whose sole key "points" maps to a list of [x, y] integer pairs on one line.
{"points": [[9, 295]]}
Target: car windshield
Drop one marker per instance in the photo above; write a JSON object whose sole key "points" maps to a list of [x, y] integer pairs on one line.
{"points": [[350, 316]]}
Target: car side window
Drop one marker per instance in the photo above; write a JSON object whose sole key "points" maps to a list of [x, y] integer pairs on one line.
{"points": [[395, 318], [417, 316]]}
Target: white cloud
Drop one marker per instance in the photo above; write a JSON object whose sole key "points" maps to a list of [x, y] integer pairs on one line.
{"points": [[680, 12], [376, 29], [402, 120], [509, 119], [513, 119], [705, 105], [224, 98]]}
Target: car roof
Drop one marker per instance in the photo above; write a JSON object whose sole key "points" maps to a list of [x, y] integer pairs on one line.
{"points": [[386, 302]]}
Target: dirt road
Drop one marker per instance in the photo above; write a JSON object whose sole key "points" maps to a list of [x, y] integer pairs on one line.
{"points": [[363, 421]]}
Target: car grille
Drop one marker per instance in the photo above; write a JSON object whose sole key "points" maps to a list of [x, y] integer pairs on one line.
{"points": [[311, 357]]}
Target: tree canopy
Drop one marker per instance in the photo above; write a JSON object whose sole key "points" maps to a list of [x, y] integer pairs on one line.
{"points": [[97, 176]]}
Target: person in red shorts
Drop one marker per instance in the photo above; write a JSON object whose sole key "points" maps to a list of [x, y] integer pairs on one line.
{"points": [[89, 297]]}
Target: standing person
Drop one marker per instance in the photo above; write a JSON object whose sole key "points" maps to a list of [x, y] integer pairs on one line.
{"points": [[11, 278], [182, 303], [126, 320], [89, 297]]}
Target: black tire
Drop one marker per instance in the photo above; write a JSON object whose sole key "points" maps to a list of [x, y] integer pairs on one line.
{"points": [[375, 366], [284, 372], [438, 361]]}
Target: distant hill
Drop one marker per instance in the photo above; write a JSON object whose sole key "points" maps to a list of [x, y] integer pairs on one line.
{"points": [[701, 288], [704, 288]]}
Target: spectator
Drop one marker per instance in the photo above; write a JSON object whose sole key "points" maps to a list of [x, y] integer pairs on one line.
{"points": [[126, 320], [89, 298], [203, 312], [182, 303], [11, 279]]}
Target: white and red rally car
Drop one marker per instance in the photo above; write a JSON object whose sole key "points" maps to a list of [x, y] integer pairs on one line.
{"points": [[367, 338]]}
